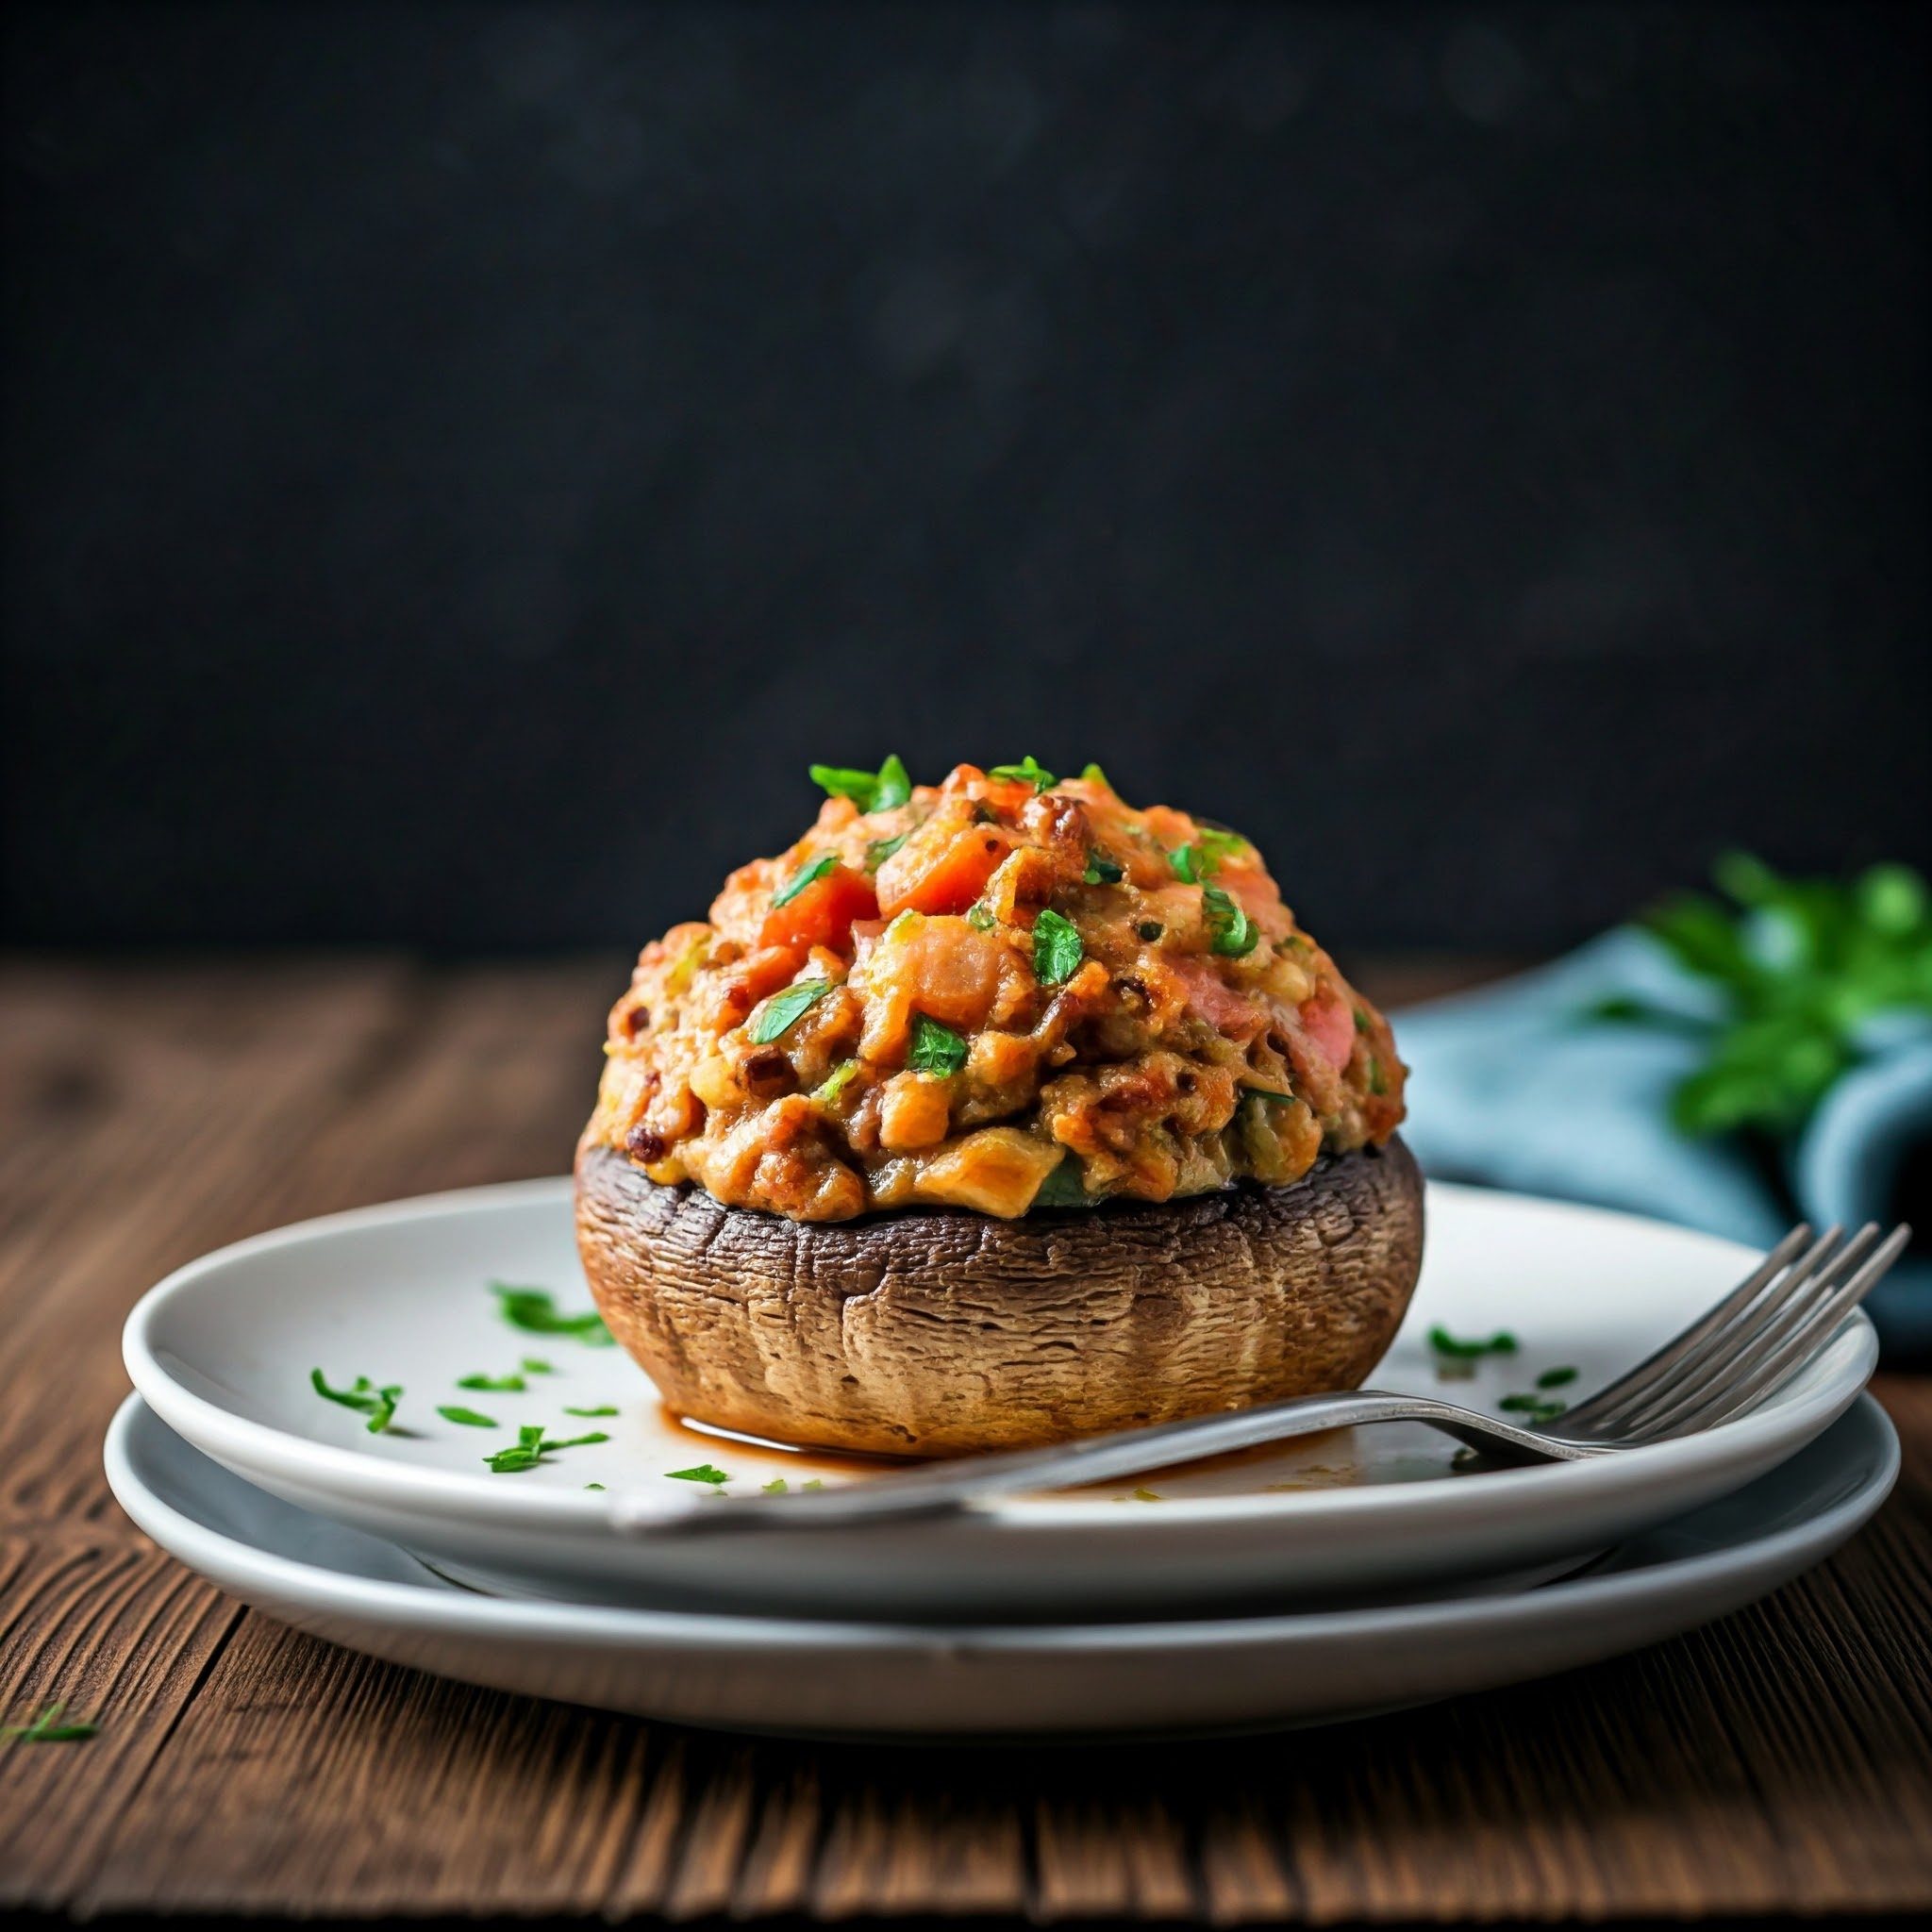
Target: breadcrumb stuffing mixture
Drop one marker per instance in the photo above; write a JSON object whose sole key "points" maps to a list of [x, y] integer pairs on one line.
{"points": [[1003, 993]]}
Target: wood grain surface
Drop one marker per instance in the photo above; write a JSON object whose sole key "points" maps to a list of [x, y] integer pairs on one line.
{"points": [[1777, 1762]]}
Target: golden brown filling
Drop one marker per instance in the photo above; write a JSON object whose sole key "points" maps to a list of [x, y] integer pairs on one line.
{"points": [[1002, 992]]}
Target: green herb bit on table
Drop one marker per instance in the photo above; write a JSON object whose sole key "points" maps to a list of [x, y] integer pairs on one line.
{"points": [[1456, 1360], [774, 1488], [468, 1417], [704, 1473], [531, 1446], [1536, 1408], [532, 1366], [378, 1405], [493, 1385], [534, 1310], [48, 1729], [602, 1409], [1555, 1378]]}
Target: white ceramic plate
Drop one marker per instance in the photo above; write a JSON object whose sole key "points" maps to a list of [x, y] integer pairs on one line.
{"points": [[223, 1351], [920, 1680]]}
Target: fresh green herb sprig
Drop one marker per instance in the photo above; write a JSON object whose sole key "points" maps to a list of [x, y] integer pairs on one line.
{"points": [[835, 1083], [378, 1405], [1102, 870], [784, 1009], [48, 1729], [532, 1446], [1798, 967], [1230, 931], [704, 1473], [882, 849], [1094, 776], [1030, 771], [936, 1049], [803, 877], [1057, 948], [878, 790], [534, 1311], [469, 1418]]}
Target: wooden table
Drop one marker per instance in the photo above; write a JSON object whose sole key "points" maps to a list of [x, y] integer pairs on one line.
{"points": [[1779, 1761]]}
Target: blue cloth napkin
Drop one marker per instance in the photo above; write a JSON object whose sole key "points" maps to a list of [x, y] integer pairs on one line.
{"points": [[1514, 1087]]}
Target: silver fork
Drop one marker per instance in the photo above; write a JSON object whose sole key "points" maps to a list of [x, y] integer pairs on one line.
{"points": [[1783, 1314]]}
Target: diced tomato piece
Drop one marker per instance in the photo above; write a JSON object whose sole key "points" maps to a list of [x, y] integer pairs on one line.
{"points": [[942, 867], [1328, 1020], [822, 913]]}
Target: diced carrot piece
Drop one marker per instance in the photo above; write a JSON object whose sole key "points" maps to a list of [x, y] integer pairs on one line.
{"points": [[822, 913], [942, 867]]}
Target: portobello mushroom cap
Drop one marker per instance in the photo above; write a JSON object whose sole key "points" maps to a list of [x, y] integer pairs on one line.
{"points": [[937, 1333]]}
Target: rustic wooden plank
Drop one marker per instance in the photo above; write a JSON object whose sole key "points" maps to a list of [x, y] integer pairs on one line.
{"points": [[1781, 1761]]}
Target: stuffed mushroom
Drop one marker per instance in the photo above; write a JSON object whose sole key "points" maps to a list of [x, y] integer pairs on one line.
{"points": [[992, 1114]]}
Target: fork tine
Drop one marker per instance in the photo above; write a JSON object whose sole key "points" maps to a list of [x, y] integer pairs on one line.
{"points": [[1734, 1361], [1805, 1344], [1604, 1407]]}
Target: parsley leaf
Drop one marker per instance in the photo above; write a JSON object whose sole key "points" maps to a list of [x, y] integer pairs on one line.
{"points": [[882, 849], [1057, 948], [1101, 870], [1185, 863], [878, 791], [774, 1488], [1535, 1407], [1065, 1187], [835, 1083], [534, 1310], [704, 1473], [493, 1385], [1555, 1378], [1217, 845], [1444, 1343], [1230, 931], [535, 1366], [468, 1417], [1094, 776], [783, 1008], [980, 918], [814, 1484], [803, 877], [48, 1729], [378, 1405], [531, 1446], [602, 1409], [1027, 772], [594, 1486], [936, 1049]]}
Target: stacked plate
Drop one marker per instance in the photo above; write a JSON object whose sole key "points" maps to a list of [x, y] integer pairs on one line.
{"points": [[1349, 1572]]}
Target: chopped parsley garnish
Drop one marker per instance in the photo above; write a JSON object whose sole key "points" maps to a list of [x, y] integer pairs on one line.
{"points": [[1379, 1081], [882, 849], [1535, 1407], [594, 1486], [836, 1082], [378, 1405], [1555, 1378], [878, 791], [1057, 948], [1143, 1497], [48, 1729], [453, 1412], [980, 918], [936, 1049], [814, 1484], [704, 1473], [1362, 1023], [1185, 863], [493, 1385], [1150, 928], [1217, 845], [531, 1445], [783, 1008], [1094, 776], [534, 1310], [774, 1488], [534, 1365], [1444, 1343], [1027, 772], [803, 878], [1101, 870], [1065, 1187], [600, 1408], [1230, 931]]}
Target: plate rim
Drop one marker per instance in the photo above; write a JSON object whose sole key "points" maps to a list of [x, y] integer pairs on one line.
{"points": [[423, 1608], [372, 1482]]}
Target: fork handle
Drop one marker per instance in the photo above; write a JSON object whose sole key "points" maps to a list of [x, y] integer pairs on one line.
{"points": [[946, 1489]]}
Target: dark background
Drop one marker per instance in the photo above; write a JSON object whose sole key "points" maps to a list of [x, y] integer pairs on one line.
{"points": [[462, 462]]}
